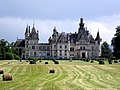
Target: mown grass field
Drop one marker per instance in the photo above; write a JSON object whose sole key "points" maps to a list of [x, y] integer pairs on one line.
{"points": [[75, 75]]}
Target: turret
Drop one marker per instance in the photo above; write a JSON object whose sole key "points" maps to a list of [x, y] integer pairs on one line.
{"points": [[34, 33], [81, 29], [81, 23], [98, 39], [27, 32]]}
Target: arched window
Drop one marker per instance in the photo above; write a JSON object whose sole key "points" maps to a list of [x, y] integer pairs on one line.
{"points": [[84, 47], [81, 48]]}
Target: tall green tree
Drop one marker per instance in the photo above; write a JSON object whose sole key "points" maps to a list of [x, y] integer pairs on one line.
{"points": [[116, 43], [7, 50], [4, 47], [106, 52]]}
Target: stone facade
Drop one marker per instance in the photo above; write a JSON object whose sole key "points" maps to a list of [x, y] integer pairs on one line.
{"points": [[62, 45]]}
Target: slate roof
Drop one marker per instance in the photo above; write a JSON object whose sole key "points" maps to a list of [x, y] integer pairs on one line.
{"points": [[20, 43]]}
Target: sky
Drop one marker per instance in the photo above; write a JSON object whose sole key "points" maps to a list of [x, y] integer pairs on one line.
{"points": [[98, 15]]}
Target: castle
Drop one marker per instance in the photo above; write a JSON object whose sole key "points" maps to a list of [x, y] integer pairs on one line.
{"points": [[60, 45]]}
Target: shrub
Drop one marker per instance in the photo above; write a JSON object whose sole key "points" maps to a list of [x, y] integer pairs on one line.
{"points": [[110, 61], [46, 62], [52, 71], [7, 77], [92, 61], [16, 57], [53, 60], [101, 62], [70, 60], [9, 56], [27, 61], [32, 62], [115, 61], [87, 60], [1, 71], [56, 62]]}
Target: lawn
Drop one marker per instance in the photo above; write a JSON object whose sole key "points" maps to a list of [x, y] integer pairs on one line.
{"points": [[75, 75]]}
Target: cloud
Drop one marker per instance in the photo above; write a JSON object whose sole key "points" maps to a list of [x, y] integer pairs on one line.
{"points": [[11, 27]]}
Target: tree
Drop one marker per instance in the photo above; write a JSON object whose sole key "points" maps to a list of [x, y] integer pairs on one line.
{"points": [[116, 43], [106, 51], [7, 51], [4, 47]]}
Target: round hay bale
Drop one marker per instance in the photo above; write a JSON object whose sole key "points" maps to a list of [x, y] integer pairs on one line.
{"points": [[46, 62], [7, 77], [1, 71], [52, 71]]}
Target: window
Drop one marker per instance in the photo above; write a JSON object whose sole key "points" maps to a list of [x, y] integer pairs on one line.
{"points": [[71, 54], [65, 46], [84, 48], [26, 42], [92, 47], [44, 47], [60, 46], [31, 53], [26, 46], [33, 47], [71, 48], [34, 53], [65, 54], [65, 51], [40, 48], [48, 54], [60, 52], [48, 48], [54, 46], [81, 48]]}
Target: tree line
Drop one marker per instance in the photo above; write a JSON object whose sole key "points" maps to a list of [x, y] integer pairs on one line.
{"points": [[115, 43], [7, 51]]}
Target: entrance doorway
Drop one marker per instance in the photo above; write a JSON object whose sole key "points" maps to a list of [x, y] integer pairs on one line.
{"points": [[83, 55]]}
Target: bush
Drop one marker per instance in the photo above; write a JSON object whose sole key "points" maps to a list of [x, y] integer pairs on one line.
{"points": [[27, 61], [16, 57], [46, 62], [110, 61], [70, 60], [101, 62], [87, 60], [9, 56], [53, 60], [92, 61], [56, 62], [115, 61], [32, 62]]}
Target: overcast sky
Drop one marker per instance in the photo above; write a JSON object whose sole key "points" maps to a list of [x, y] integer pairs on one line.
{"points": [[64, 14]]}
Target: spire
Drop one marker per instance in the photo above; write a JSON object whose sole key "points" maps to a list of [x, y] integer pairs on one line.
{"points": [[81, 23], [54, 30], [98, 37], [33, 29], [27, 31]]}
